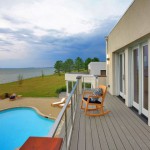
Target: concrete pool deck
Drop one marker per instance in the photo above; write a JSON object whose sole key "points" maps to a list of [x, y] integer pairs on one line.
{"points": [[42, 105]]}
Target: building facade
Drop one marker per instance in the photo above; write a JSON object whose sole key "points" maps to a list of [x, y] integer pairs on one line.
{"points": [[128, 57], [97, 68]]}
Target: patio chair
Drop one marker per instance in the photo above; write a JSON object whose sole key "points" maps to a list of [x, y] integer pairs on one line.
{"points": [[14, 97], [62, 101], [95, 104]]}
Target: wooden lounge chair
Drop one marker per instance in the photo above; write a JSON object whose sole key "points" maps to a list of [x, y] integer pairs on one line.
{"points": [[97, 104], [62, 105], [59, 102]]}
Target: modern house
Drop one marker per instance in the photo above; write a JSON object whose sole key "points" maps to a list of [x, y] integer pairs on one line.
{"points": [[97, 68], [127, 75], [127, 48], [96, 76]]}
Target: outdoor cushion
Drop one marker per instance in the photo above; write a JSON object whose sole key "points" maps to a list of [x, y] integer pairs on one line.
{"points": [[97, 92], [91, 101]]}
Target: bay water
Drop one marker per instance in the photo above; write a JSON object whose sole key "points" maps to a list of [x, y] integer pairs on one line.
{"points": [[12, 74]]}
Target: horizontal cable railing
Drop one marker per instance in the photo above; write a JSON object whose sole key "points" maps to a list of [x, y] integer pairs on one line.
{"points": [[66, 117]]}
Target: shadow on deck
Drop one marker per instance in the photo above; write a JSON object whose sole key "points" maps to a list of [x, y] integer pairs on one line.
{"points": [[119, 130]]}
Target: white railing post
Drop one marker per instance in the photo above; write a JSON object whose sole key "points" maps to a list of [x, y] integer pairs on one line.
{"points": [[79, 89]]}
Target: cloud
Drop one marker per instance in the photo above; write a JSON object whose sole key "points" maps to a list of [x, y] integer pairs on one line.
{"points": [[39, 32]]}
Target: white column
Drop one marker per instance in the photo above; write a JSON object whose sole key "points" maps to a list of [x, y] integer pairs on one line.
{"points": [[116, 76], [128, 60], [67, 87], [127, 77], [149, 82], [80, 84], [111, 74]]}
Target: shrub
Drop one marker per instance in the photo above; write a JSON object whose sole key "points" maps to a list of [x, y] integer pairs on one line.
{"points": [[62, 89], [20, 79], [5, 95]]}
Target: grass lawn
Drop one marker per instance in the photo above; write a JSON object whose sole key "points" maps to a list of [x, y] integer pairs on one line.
{"points": [[35, 87]]}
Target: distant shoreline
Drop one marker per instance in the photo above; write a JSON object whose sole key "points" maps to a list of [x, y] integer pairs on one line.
{"points": [[8, 75], [27, 68]]}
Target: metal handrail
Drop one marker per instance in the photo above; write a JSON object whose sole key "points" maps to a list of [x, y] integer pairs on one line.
{"points": [[63, 111]]}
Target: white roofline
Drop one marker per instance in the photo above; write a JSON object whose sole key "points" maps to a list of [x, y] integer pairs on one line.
{"points": [[121, 18]]}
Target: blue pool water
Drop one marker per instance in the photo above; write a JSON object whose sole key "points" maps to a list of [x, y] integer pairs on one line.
{"points": [[17, 124]]}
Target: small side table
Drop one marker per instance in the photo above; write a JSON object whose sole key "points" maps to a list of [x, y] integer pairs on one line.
{"points": [[42, 143]]}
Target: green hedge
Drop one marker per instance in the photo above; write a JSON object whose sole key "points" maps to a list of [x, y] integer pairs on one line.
{"points": [[62, 89]]}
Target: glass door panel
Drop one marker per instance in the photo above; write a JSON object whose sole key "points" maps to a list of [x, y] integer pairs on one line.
{"points": [[136, 76]]}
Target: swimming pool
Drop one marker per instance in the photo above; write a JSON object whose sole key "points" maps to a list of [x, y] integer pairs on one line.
{"points": [[17, 124]]}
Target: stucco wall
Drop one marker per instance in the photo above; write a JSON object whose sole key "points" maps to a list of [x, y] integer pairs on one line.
{"points": [[134, 24], [102, 81]]}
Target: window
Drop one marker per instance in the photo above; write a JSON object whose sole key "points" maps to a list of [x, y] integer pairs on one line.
{"points": [[103, 73]]}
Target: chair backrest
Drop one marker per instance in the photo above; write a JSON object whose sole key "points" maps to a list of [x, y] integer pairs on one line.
{"points": [[104, 88]]}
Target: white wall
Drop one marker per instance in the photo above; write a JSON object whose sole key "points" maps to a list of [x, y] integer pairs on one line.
{"points": [[96, 67]]}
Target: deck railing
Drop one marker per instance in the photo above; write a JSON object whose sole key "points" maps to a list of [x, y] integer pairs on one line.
{"points": [[63, 125]]}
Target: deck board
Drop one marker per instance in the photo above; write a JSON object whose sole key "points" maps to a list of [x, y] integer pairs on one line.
{"points": [[121, 129], [75, 133], [101, 133], [95, 137], [88, 135]]}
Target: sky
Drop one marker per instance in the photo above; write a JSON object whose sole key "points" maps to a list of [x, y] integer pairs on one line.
{"points": [[37, 33]]}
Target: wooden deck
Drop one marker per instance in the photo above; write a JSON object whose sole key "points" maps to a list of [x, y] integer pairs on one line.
{"points": [[120, 130]]}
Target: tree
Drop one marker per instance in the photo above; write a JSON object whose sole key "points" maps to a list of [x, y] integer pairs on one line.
{"points": [[68, 65], [95, 59], [87, 61], [58, 66], [79, 63], [20, 79]]}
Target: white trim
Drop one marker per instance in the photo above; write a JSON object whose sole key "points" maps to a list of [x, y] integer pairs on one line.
{"points": [[136, 105], [144, 112]]}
